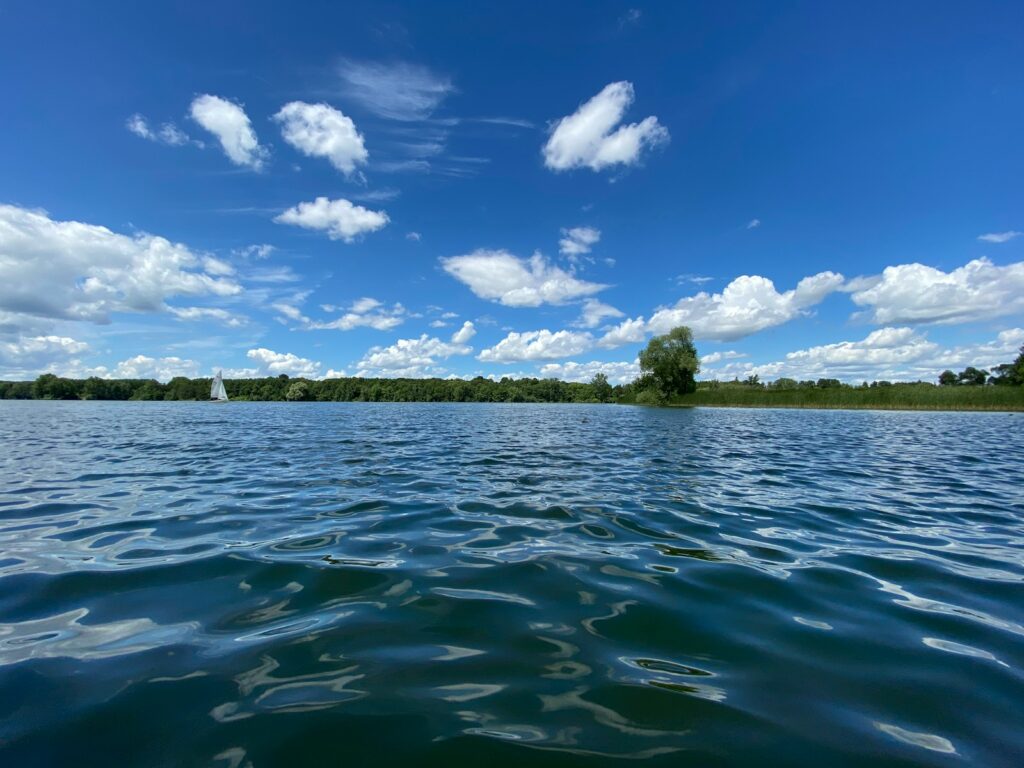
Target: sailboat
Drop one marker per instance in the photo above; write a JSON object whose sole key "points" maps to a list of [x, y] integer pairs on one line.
{"points": [[217, 392]]}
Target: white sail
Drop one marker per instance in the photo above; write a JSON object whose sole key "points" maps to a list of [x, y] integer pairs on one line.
{"points": [[217, 391]]}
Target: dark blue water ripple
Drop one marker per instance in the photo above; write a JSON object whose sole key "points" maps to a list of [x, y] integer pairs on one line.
{"points": [[277, 584]]}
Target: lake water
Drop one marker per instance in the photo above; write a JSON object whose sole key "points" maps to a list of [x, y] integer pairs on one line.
{"points": [[273, 584]]}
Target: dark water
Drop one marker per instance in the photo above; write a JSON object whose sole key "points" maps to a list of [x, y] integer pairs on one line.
{"points": [[355, 584]]}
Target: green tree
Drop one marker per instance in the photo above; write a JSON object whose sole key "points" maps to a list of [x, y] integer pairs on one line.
{"points": [[972, 376], [1016, 375], [671, 362], [299, 390], [947, 378], [602, 389]]}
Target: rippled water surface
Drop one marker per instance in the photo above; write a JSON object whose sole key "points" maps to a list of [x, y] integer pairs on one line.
{"points": [[357, 584]]}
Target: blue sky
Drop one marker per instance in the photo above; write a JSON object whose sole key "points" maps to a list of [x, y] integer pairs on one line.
{"points": [[529, 189]]}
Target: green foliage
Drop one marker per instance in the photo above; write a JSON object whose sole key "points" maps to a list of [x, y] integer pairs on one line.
{"points": [[883, 396], [299, 390], [601, 388], [972, 377], [947, 378], [282, 387], [670, 363]]}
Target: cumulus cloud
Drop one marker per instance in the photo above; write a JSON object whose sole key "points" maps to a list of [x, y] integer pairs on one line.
{"points": [[537, 345], [398, 91], [999, 237], [228, 122], [168, 133], [340, 219], [319, 130], [892, 353], [629, 331], [748, 304], [71, 270], [270, 363], [28, 355], [578, 241], [500, 276], [159, 368], [617, 373], [914, 293], [414, 236], [594, 313], [138, 367], [588, 138], [416, 358]]}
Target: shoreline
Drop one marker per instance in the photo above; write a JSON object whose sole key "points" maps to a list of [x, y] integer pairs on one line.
{"points": [[866, 407]]}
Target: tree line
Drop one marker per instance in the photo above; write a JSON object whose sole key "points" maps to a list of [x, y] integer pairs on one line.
{"points": [[669, 365], [284, 388]]}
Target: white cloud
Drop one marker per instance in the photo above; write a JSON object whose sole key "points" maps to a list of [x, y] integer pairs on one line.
{"points": [[753, 224], [138, 367], [290, 311], [168, 133], [217, 267], [464, 334], [398, 91], [414, 236], [594, 312], [627, 332], [999, 237], [416, 358], [228, 122], [229, 319], [26, 356], [161, 369], [589, 138], [272, 363], [717, 357], [914, 293], [256, 251], [365, 304], [339, 218], [319, 130], [578, 241], [617, 373], [537, 345], [514, 282], [894, 354], [748, 304], [363, 313], [70, 270]]}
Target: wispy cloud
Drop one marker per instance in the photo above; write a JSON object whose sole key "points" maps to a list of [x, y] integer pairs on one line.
{"points": [[999, 237], [753, 224], [397, 90], [168, 133]]}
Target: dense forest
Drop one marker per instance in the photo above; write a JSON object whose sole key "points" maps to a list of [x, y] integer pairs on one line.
{"points": [[50, 387]]}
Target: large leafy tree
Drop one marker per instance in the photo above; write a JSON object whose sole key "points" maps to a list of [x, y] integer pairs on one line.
{"points": [[602, 389], [670, 362]]}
